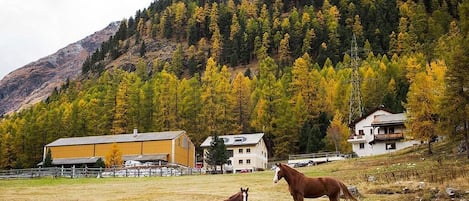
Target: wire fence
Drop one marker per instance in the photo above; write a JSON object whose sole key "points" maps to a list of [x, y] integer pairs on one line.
{"points": [[72, 172]]}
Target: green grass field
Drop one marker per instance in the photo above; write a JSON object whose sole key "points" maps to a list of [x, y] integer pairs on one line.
{"points": [[219, 187]]}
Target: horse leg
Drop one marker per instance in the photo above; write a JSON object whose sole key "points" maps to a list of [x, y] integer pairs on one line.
{"points": [[334, 197], [297, 197]]}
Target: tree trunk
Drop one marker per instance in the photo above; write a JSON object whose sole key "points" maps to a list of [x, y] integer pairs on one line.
{"points": [[466, 138], [430, 147]]}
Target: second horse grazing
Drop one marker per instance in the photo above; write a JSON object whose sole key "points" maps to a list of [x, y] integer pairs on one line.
{"points": [[240, 196], [302, 187]]}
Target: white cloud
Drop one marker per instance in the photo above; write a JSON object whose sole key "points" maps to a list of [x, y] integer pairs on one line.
{"points": [[34, 29]]}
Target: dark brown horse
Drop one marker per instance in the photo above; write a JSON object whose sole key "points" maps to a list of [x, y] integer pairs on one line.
{"points": [[302, 187], [240, 196]]}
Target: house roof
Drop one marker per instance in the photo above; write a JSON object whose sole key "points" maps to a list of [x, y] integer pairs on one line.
{"points": [[104, 139], [236, 140], [368, 114], [390, 119]]}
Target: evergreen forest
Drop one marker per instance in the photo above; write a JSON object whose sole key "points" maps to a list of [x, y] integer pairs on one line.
{"points": [[280, 67]]}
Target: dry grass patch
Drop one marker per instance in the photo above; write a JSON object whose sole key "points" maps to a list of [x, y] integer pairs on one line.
{"points": [[353, 172]]}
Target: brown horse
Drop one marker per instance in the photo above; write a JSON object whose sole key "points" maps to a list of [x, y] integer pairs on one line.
{"points": [[302, 187], [240, 196]]}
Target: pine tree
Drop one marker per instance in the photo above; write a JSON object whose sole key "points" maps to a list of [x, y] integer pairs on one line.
{"points": [[190, 107], [284, 54], [456, 96], [209, 98], [143, 49], [8, 156], [266, 107], [241, 91], [121, 121], [217, 155], [48, 160]]}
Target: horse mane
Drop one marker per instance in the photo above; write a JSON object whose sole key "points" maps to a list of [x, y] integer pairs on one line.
{"points": [[291, 169], [235, 195]]}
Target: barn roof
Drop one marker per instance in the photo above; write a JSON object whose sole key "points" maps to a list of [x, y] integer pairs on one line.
{"points": [[104, 139], [236, 140], [89, 160]]}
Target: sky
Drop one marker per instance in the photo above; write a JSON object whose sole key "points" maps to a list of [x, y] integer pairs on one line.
{"points": [[31, 30]]}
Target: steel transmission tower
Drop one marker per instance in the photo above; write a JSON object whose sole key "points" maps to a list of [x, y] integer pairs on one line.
{"points": [[356, 110]]}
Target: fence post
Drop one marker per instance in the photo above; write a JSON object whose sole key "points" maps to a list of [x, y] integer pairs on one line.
{"points": [[73, 172]]}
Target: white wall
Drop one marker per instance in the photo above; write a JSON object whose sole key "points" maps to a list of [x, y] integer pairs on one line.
{"points": [[365, 125]]}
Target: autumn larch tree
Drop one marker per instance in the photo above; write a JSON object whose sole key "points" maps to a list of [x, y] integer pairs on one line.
{"points": [[113, 158]]}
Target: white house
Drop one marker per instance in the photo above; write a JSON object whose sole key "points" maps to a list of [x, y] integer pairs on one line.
{"points": [[247, 152], [379, 132]]}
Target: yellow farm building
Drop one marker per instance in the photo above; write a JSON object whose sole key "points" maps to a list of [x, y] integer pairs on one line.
{"points": [[171, 147]]}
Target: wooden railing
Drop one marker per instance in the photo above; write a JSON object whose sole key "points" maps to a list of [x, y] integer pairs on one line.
{"points": [[315, 155], [390, 136]]}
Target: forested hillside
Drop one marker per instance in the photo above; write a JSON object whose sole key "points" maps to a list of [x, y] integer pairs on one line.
{"points": [[278, 67]]}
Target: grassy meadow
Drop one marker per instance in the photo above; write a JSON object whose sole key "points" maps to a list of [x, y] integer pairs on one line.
{"points": [[397, 178]]}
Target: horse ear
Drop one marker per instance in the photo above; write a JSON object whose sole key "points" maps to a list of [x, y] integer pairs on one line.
{"points": [[247, 189], [241, 189]]}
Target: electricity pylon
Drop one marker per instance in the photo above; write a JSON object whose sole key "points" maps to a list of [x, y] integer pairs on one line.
{"points": [[356, 110]]}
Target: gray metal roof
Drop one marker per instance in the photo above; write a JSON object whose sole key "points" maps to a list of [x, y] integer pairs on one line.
{"points": [[88, 160], [104, 139], [389, 119], [236, 140]]}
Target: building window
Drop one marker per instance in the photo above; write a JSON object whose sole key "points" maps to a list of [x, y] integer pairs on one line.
{"points": [[391, 130], [248, 161], [360, 132], [390, 146], [239, 140], [240, 162], [371, 131], [362, 145], [230, 152], [248, 150], [240, 151]]}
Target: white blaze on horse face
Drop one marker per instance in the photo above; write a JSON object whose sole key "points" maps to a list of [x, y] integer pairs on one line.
{"points": [[245, 197], [277, 169]]}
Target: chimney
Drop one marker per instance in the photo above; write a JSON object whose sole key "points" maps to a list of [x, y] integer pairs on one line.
{"points": [[135, 132]]}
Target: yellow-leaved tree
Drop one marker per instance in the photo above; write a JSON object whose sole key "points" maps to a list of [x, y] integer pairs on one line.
{"points": [[425, 94], [114, 157], [337, 134]]}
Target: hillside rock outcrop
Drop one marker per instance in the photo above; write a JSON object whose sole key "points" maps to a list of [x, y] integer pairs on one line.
{"points": [[35, 81]]}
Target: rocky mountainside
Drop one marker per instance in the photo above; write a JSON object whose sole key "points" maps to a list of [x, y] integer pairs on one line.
{"points": [[35, 81]]}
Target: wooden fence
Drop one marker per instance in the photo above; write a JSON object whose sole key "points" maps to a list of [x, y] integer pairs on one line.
{"points": [[72, 172]]}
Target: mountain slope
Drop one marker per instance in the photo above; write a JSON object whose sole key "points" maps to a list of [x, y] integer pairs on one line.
{"points": [[35, 81]]}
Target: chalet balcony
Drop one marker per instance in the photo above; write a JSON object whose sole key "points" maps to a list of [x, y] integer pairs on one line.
{"points": [[356, 138], [389, 136]]}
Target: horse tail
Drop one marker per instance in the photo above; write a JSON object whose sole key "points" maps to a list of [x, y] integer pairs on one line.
{"points": [[346, 192]]}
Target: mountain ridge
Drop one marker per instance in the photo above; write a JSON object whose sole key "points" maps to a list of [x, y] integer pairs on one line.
{"points": [[35, 81]]}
